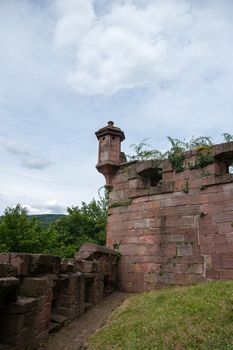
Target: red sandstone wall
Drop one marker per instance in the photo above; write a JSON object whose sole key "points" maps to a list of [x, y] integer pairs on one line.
{"points": [[39, 294], [178, 232]]}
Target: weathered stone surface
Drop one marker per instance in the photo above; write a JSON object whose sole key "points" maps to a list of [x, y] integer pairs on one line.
{"points": [[21, 262], [88, 250], [58, 318], [164, 188], [18, 323], [148, 168], [34, 287], [8, 282], [46, 297], [5, 347], [69, 295], [223, 149], [21, 306], [8, 288], [43, 263], [68, 267], [184, 249], [87, 266], [5, 257], [7, 270]]}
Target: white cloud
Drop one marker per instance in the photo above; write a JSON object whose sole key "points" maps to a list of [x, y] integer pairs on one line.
{"points": [[36, 163], [27, 159], [49, 207], [75, 19], [14, 147], [147, 45]]}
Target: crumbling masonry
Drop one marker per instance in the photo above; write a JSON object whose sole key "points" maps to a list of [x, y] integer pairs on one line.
{"points": [[172, 228], [39, 294]]}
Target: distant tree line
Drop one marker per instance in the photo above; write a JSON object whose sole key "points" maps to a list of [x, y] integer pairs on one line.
{"points": [[21, 233]]}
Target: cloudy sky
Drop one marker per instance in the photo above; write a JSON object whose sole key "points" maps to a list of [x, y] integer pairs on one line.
{"points": [[154, 67]]}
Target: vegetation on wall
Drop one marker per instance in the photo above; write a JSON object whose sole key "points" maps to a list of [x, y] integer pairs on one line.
{"points": [[143, 151], [227, 137], [176, 152]]}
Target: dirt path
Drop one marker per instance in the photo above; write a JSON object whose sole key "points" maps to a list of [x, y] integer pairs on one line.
{"points": [[72, 336]]}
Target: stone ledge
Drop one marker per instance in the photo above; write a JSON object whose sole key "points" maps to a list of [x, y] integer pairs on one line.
{"points": [[87, 249], [223, 149], [164, 188], [7, 270], [21, 306], [218, 180], [149, 168], [8, 282], [43, 263]]}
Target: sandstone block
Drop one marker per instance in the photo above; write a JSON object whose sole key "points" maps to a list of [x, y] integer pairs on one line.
{"points": [[34, 287], [5, 257], [8, 282], [68, 267], [142, 224], [21, 306], [184, 249], [7, 270], [21, 262], [195, 269], [182, 279], [43, 263], [87, 266], [226, 274], [8, 288], [175, 238], [148, 239]]}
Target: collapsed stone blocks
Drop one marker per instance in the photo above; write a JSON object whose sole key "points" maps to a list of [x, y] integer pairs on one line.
{"points": [[7, 269], [39, 293], [40, 289], [68, 295], [17, 323]]}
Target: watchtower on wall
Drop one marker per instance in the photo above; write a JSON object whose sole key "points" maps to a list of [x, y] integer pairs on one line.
{"points": [[175, 231], [109, 157]]}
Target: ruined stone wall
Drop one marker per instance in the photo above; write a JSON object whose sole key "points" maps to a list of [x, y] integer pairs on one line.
{"points": [[174, 230], [39, 293]]}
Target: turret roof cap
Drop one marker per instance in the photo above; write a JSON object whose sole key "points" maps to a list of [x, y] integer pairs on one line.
{"points": [[110, 129]]}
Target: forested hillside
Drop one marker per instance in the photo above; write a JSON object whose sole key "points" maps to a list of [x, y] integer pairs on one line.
{"points": [[53, 234], [46, 219]]}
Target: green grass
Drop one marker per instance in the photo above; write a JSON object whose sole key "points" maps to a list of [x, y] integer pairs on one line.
{"points": [[195, 317]]}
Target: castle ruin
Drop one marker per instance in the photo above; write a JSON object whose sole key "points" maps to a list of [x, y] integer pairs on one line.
{"points": [[172, 228]]}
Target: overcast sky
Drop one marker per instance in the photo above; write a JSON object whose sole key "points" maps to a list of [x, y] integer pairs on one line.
{"points": [[154, 67]]}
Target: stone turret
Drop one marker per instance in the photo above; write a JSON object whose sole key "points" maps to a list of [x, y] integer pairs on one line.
{"points": [[109, 158]]}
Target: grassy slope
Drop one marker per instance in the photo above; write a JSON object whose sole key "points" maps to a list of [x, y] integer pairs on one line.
{"points": [[194, 317]]}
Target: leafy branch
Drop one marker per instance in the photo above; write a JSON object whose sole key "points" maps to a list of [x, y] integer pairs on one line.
{"points": [[144, 154], [176, 153]]}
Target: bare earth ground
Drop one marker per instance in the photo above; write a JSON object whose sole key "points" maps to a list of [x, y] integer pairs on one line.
{"points": [[72, 336]]}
